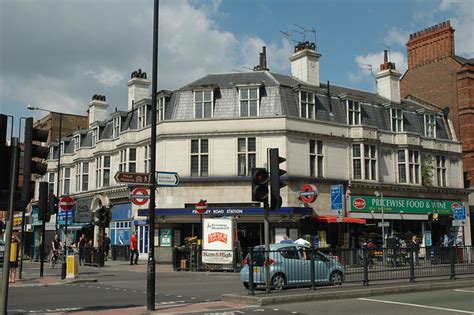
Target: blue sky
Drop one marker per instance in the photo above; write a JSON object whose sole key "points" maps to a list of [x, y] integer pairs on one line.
{"points": [[57, 53]]}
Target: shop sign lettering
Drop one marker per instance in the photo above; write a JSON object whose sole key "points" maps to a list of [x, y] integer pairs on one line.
{"points": [[407, 205]]}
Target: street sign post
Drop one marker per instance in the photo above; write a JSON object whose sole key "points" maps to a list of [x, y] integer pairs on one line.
{"points": [[140, 196], [167, 179], [134, 178], [67, 203]]}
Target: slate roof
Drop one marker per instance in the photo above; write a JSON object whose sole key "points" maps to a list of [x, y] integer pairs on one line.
{"points": [[330, 104]]}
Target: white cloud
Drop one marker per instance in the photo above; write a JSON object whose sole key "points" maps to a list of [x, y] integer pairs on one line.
{"points": [[369, 65], [108, 77], [463, 23], [396, 36]]}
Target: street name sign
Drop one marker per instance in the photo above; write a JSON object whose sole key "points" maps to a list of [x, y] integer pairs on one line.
{"points": [[167, 179], [134, 178]]}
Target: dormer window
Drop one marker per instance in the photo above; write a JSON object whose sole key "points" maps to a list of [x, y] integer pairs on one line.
{"points": [[116, 127], [203, 101], [307, 105], [353, 112], [95, 136], [430, 126], [142, 117], [396, 118], [249, 101], [161, 108], [77, 142]]}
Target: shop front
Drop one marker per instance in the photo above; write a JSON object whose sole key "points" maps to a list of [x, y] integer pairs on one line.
{"points": [[401, 218], [179, 227]]}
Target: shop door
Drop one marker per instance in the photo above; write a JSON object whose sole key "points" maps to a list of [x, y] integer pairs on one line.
{"points": [[142, 235]]}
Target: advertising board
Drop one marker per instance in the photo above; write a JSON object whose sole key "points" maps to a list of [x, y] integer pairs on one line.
{"points": [[218, 241]]}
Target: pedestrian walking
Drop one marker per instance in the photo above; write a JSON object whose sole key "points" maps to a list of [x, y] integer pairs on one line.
{"points": [[82, 245], [106, 246], [13, 259], [133, 249]]}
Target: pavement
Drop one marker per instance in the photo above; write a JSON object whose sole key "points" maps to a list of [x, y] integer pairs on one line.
{"points": [[230, 301]]}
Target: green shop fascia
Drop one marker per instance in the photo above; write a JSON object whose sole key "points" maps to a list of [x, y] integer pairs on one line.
{"points": [[407, 205]]}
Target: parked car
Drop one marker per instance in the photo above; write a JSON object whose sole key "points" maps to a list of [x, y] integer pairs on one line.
{"points": [[2, 251], [290, 265]]}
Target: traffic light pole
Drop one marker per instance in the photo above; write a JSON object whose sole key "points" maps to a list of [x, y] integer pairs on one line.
{"points": [[43, 235], [266, 231], [8, 231], [63, 265]]}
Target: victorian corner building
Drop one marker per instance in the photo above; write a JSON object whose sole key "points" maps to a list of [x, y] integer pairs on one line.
{"points": [[367, 155]]}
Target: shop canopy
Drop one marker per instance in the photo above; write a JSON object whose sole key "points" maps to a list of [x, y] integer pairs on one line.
{"points": [[333, 219]]}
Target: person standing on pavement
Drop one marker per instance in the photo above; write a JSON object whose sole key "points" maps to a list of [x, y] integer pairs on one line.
{"points": [[82, 245], [416, 248], [133, 249], [106, 246], [13, 259]]}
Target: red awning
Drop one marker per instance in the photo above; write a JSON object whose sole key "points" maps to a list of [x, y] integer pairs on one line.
{"points": [[333, 219]]}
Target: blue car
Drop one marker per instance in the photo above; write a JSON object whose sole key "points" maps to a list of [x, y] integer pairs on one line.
{"points": [[290, 265]]}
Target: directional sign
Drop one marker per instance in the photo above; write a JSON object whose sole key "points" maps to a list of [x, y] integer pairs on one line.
{"points": [[67, 203], [336, 199], [140, 196], [167, 179], [135, 178]]}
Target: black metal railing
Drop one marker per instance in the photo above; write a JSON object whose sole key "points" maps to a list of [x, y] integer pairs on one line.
{"points": [[318, 266]]}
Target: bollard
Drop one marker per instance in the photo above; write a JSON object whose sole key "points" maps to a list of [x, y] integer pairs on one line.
{"points": [[251, 284], [313, 276], [412, 265], [452, 262], [366, 267]]}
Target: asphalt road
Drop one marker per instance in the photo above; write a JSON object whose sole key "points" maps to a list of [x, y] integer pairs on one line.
{"points": [[453, 301], [120, 289]]}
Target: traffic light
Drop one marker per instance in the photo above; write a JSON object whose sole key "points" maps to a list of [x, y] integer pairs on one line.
{"points": [[102, 217], [105, 217], [53, 202], [276, 182], [32, 152], [43, 214], [259, 184]]}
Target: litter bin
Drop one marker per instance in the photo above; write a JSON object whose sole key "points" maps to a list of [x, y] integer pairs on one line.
{"points": [[120, 252]]}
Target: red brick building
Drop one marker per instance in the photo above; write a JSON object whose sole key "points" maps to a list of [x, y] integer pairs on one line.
{"points": [[437, 75]]}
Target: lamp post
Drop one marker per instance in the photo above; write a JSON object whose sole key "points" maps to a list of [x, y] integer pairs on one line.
{"points": [[379, 194], [58, 180]]}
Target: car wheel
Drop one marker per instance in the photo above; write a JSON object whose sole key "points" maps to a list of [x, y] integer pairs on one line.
{"points": [[278, 281], [246, 285], [336, 278]]}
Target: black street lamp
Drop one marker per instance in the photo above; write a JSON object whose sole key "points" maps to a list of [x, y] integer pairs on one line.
{"points": [[58, 180]]}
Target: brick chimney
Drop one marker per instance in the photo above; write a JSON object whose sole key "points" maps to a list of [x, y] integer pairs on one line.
{"points": [[305, 63], [97, 109], [137, 88], [388, 80], [431, 44]]}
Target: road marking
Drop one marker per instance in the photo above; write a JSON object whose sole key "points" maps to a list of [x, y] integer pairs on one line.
{"points": [[417, 305], [461, 290], [180, 296]]}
